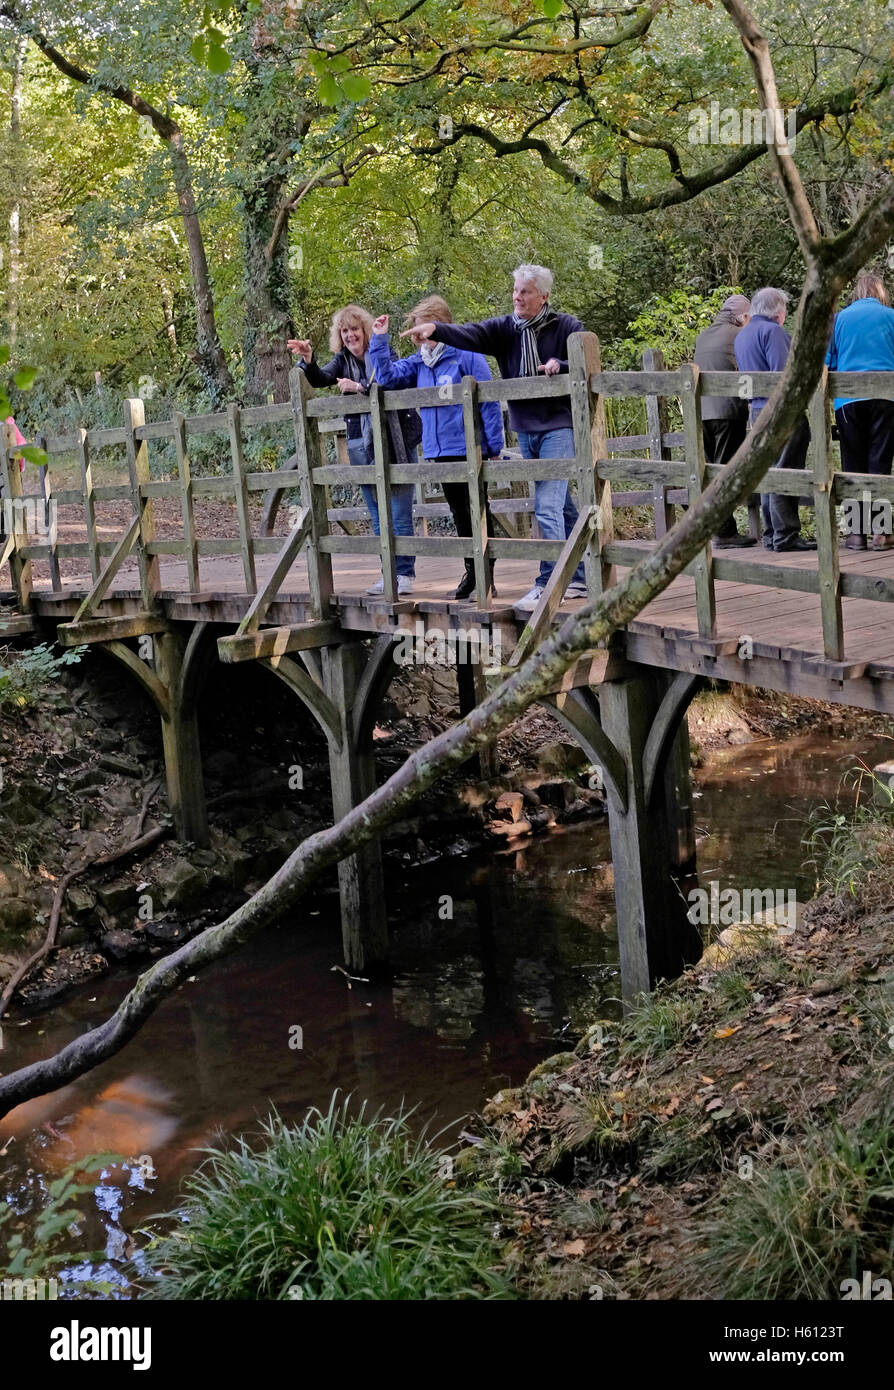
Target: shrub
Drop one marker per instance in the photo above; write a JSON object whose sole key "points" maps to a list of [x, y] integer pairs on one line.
{"points": [[336, 1208], [25, 680]]}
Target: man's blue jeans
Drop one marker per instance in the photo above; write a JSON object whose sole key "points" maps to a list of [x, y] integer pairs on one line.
{"points": [[553, 507], [401, 506]]}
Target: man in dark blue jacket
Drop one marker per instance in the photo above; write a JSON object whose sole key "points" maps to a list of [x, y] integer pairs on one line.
{"points": [[529, 342], [763, 346]]}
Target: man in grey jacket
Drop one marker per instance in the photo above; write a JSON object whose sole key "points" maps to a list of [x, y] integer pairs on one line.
{"points": [[724, 418]]}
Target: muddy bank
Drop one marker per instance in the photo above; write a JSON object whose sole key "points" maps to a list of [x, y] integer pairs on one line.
{"points": [[731, 1138]]}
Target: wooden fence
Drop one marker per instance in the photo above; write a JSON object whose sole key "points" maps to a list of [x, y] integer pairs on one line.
{"points": [[660, 480]]}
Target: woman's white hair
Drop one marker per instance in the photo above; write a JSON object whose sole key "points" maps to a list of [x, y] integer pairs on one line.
{"points": [[768, 301], [537, 275]]}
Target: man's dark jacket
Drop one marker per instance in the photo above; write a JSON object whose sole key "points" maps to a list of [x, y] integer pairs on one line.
{"points": [[502, 340], [715, 352]]}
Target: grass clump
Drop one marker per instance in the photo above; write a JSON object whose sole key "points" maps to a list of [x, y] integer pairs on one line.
{"points": [[336, 1208], [853, 852], [658, 1022], [818, 1215]]}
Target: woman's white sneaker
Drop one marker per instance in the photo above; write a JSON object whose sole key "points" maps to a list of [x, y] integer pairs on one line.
{"points": [[404, 584], [530, 600]]}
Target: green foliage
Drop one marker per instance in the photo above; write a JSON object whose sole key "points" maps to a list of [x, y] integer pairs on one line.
{"points": [[25, 679], [853, 853], [671, 322], [336, 1208], [59, 1212]]}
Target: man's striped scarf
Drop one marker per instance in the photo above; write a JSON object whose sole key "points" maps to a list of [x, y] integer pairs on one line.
{"points": [[529, 329]]}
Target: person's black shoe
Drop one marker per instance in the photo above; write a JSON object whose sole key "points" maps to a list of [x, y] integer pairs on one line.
{"points": [[797, 544], [466, 584], [733, 542], [767, 541]]}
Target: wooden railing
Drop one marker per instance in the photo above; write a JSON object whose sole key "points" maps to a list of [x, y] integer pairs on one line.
{"points": [[598, 462]]}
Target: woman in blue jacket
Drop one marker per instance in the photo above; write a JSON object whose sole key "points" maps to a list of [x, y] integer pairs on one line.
{"points": [[443, 431]]}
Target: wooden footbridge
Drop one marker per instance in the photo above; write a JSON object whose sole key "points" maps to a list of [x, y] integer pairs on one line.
{"points": [[818, 624]]}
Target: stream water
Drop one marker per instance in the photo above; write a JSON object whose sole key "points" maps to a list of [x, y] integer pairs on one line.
{"points": [[528, 957]]}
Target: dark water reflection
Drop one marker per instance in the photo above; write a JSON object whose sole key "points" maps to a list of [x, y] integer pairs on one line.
{"points": [[528, 957]]}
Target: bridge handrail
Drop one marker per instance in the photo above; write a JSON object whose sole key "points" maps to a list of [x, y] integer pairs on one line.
{"points": [[598, 462]]}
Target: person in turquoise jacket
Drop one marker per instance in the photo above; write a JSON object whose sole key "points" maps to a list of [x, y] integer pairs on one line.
{"points": [[863, 341], [443, 430]]}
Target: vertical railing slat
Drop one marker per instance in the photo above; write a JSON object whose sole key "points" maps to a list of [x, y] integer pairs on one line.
{"points": [[690, 385], [477, 490], [309, 455], [187, 503], [19, 568], [89, 501], [657, 422], [820, 463], [590, 445], [383, 492], [138, 469], [234, 424]]}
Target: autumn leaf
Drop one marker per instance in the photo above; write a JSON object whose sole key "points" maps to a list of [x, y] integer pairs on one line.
{"points": [[573, 1247], [727, 1032]]}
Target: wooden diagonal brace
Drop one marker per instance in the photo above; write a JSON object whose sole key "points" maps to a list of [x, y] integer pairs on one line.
{"points": [[296, 540], [556, 585], [117, 558]]}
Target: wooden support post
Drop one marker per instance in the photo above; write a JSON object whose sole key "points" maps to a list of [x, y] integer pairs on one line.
{"points": [[234, 421], [590, 445], [180, 739], [656, 940], [309, 455], [477, 491], [186, 500], [472, 686], [656, 421], [383, 492], [89, 503], [703, 567], [20, 569], [826, 522], [352, 770], [52, 531], [138, 468]]}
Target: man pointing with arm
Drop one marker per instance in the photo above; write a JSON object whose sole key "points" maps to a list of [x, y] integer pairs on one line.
{"points": [[531, 341]]}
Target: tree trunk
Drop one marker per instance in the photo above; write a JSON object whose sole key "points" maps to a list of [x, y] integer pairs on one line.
{"points": [[266, 281], [210, 357]]}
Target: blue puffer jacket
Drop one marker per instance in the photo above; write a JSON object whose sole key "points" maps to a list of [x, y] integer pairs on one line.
{"points": [[442, 425]]}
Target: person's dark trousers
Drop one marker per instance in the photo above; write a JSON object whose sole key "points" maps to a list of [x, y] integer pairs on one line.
{"points": [[866, 435], [457, 495], [780, 510], [722, 439]]}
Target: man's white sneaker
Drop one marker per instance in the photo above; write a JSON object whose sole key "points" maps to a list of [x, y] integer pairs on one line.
{"points": [[530, 600], [377, 588], [577, 590], [404, 584]]}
